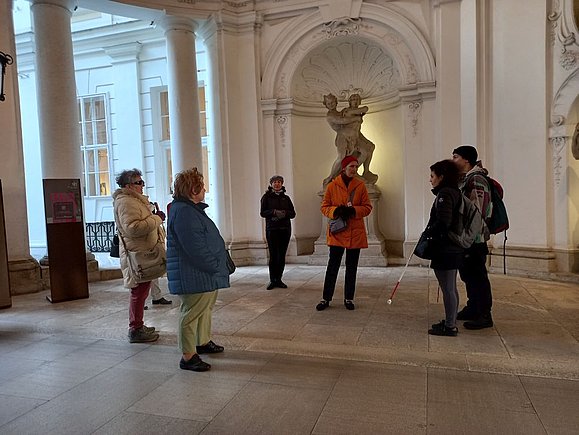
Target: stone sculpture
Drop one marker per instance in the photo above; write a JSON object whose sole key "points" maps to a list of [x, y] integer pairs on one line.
{"points": [[349, 138]]}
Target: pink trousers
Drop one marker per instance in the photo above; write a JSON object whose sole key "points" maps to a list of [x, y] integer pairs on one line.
{"points": [[137, 304]]}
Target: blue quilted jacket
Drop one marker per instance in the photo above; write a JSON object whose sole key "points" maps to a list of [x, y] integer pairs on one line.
{"points": [[196, 257]]}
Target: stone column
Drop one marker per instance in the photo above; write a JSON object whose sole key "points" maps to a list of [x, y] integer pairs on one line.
{"points": [[56, 89], [58, 119], [23, 270], [186, 149], [235, 127], [448, 79]]}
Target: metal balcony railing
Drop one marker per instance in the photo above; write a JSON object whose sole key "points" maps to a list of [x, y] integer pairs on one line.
{"points": [[99, 236]]}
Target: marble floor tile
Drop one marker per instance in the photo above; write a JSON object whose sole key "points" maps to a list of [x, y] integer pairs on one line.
{"points": [[479, 390], [12, 407], [270, 409], [547, 340], [130, 423], [300, 372], [556, 402], [331, 334], [189, 395], [88, 406], [466, 419]]}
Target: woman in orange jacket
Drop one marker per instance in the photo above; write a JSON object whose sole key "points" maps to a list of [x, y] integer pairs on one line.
{"points": [[346, 197]]}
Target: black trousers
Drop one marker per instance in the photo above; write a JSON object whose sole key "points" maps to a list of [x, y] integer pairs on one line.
{"points": [[277, 243], [475, 277], [352, 257]]}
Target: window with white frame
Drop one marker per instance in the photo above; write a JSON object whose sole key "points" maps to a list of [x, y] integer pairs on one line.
{"points": [[94, 143]]}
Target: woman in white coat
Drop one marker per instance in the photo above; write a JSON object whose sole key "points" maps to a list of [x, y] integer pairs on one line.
{"points": [[140, 229]]}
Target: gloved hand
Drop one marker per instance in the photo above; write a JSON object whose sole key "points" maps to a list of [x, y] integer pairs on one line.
{"points": [[161, 215], [280, 214], [349, 212], [340, 211]]}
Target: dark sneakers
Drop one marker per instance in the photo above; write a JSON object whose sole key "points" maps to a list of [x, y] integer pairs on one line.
{"points": [[276, 283], [143, 335], [210, 348], [481, 322], [194, 364], [162, 301], [441, 330], [322, 305], [349, 304], [465, 314]]}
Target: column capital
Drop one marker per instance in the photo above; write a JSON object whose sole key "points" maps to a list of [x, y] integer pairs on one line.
{"points": [[124, 52], [69, 5], [174, 22], [438, 3]]}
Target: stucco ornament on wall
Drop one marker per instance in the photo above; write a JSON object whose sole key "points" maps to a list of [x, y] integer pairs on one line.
{"points": [[414, 109], [346, 68], [342, 27], [282, 121], [560, 25], [558, 144]]}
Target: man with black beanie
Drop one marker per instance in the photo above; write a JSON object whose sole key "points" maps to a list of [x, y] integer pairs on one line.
{"points": [[475, 186]]}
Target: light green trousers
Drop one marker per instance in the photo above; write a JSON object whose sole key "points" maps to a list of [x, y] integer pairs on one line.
{"points": [[195, 321]]}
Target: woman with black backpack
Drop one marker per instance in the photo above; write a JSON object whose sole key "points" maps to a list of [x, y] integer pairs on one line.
{"points": [[446, 256]]}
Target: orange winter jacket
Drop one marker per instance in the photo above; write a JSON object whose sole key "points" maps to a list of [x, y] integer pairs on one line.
{"points": [[354, 236]]}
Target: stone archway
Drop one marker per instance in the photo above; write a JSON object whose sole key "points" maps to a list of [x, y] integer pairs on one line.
{"points": [[393, 71]]}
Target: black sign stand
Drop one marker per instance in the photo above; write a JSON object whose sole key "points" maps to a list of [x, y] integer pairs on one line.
{"points": [[65, 239], [5, 297]]}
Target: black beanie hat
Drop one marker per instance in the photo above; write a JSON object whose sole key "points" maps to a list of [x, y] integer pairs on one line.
{"points": [[467, 152]]}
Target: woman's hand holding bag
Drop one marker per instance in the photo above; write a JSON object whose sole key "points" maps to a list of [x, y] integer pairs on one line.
{"points": [[423, 248]]}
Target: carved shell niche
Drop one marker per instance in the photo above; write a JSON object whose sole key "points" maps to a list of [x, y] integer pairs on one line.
{"points": [[343, 69]]}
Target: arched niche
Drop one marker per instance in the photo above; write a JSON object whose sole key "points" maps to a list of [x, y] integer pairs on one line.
{"points": [[562, 135], [381, 55]]}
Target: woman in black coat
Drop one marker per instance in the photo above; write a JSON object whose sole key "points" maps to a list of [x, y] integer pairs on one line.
{"points": [[446, 255], [277, 209]]}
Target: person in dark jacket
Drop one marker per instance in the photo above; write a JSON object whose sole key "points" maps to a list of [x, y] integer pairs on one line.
{"points": [[196, 267], [446, 255], [277, 209]]}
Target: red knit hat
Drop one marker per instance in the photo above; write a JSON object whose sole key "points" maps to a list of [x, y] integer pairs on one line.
{"points": [[347, 160]]}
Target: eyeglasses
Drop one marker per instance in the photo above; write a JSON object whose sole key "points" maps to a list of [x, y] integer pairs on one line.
{"points": [[139, 183]]}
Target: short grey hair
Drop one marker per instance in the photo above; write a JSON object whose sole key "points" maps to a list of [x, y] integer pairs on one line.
{"points": [[128, 176]]}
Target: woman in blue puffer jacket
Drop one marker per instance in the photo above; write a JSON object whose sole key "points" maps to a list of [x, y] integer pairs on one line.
{"points": [[196, 267]]}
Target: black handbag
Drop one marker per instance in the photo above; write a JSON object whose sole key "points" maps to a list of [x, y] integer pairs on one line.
{"points": [[337, 225], [423, 248], [230, 263], [340, 224], [115, 247]]}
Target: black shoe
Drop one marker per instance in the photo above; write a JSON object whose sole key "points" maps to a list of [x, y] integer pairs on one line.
{"points": [[322, 305], [443, 331], [271, 285], [484, 321], [349, 304], [279, 283], [162, 301], [210, 348], [146, 307], [440, 325], [465, 314], [194, 364]]}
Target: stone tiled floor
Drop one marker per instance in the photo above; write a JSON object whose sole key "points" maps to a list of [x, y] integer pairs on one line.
{"points": [[68, 368]]}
